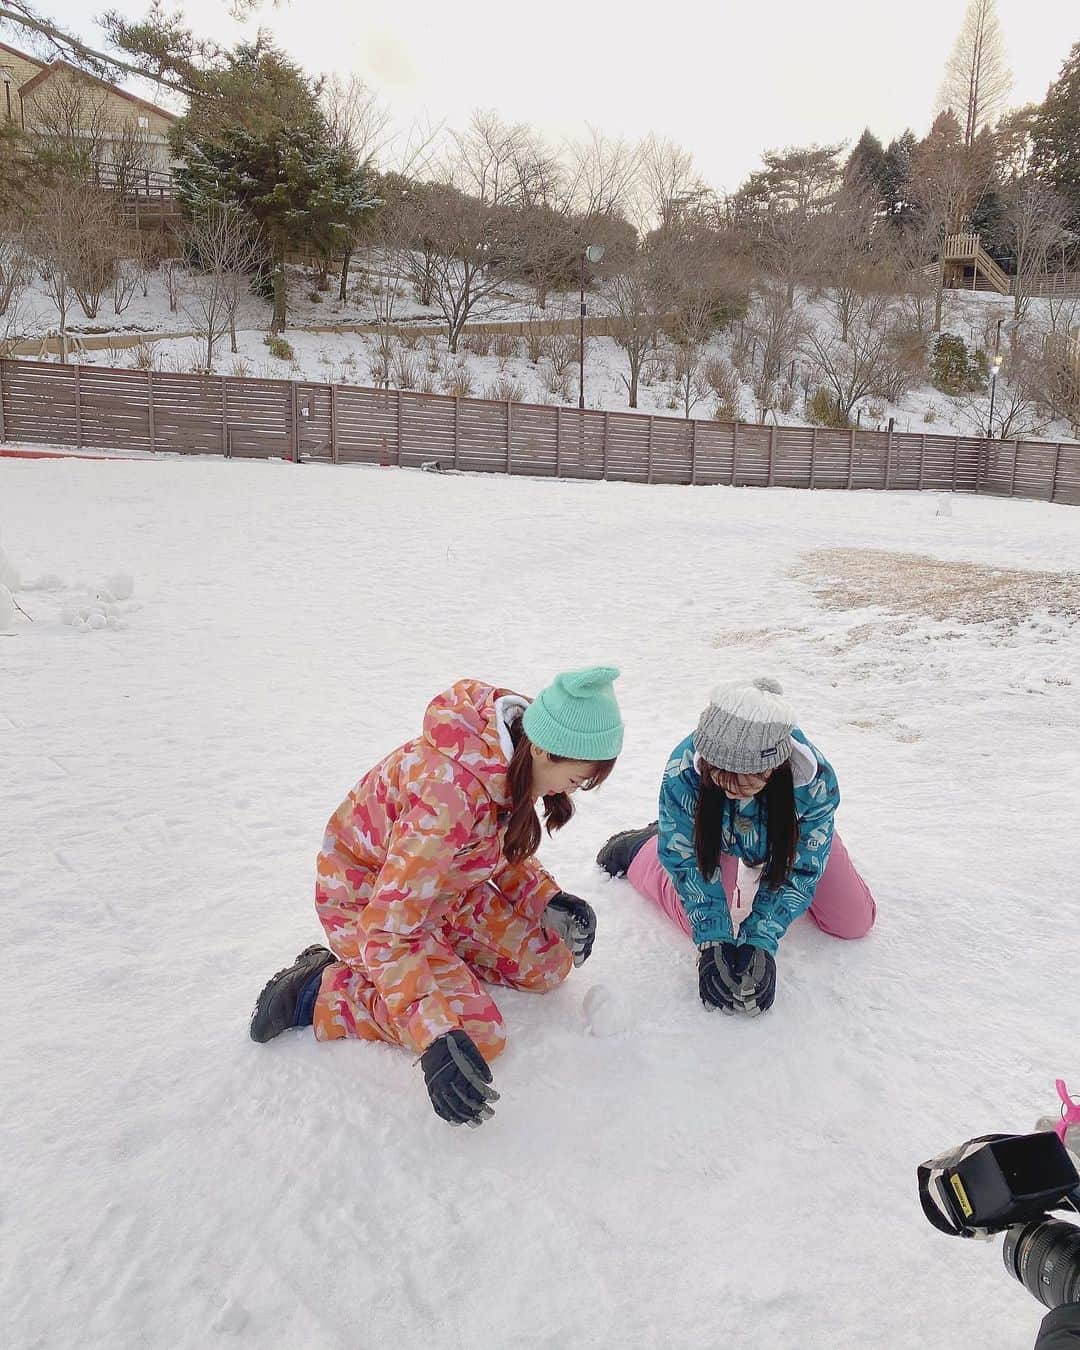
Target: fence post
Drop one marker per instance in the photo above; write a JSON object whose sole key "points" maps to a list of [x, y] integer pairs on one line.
{"points": [[290, 419], [922, 459], [649, 452], [978, 461], [603, 451], [813, 453], [558, 439], [1053, 480], [1016, 456], [509, 432], [851, 457], [78, 406], [333, 423], [457, 428], [735, 454], [224, 418], [3, 423], [400, 427], [772, 454], [955, 465], [888, 457], [150, 409]]}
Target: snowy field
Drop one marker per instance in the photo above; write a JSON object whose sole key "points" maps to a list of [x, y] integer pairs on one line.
{"points": [[685, 1182]]}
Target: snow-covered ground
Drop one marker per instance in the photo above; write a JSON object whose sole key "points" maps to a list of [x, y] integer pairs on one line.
{"points": [[687, 1181], [318, 353]]}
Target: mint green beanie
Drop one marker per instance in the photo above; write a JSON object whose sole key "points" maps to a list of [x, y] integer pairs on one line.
{"points": [[576, 716]]}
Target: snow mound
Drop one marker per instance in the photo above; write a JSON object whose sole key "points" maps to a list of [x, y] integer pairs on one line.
{"points": [[606, 1012]]}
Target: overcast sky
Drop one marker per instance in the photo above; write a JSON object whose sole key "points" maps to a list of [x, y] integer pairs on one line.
{"points": [[726, 80]]}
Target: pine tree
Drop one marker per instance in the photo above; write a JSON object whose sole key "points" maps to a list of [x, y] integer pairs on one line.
{"points": [[262, 144], [1056, 135], [865, 170], [896, 191]]}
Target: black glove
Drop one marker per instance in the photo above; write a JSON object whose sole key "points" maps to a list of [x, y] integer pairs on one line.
{"points": [[736, 978], [757, 969], [457, 1078], [574, 920]]}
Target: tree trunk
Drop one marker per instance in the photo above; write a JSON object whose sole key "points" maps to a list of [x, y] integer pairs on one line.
{"points": [[209, 350], [232, 331], [633, 383], [343, 292], [277, 324]]}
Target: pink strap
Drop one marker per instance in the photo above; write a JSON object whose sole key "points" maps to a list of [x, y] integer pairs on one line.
{"points": [[1070, 1110]]}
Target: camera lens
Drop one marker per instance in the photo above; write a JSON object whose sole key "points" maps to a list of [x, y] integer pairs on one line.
{"points": [[1045, 1258]]}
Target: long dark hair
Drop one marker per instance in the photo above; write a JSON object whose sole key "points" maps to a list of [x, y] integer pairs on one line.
{"points": [[715, 809], [523, 833]]}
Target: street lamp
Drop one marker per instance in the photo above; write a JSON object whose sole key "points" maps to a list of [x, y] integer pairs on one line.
{"points": [[995, 367], [593, 254], [7, 76]]}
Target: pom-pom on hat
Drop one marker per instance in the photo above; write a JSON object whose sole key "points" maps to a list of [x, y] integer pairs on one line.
{"points": [[577, 716], [746, 728]]}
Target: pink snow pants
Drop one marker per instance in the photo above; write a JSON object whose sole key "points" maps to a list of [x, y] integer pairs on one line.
{"points": [[843, 906]]}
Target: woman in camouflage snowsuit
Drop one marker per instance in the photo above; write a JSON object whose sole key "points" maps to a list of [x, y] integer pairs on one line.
{"points": [[429, 890]]}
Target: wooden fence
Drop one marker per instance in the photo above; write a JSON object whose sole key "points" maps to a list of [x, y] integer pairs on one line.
{"points": [[196, 414]]}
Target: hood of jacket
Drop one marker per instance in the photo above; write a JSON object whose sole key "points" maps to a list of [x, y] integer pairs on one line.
{"points": [[470, 724]]}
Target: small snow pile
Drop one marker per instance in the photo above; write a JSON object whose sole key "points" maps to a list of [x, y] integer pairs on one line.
{"points": [[9, 574], [944, 507], [606, 1012], [104, 610]]}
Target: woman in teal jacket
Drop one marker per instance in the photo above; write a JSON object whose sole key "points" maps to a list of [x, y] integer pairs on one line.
{"points": [[747, 786]]}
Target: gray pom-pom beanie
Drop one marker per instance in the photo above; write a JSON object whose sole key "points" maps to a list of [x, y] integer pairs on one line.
{"points": [[746, 728]]}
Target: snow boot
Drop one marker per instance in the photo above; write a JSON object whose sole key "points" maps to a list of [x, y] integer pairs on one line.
{"points": [[621, 849], [289, 996]]}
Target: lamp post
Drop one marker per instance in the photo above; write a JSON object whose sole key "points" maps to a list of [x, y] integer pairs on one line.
{"points": [[995, 367], [593, 254], [7, 76]]}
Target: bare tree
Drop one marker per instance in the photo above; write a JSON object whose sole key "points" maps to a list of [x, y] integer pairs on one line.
{"points": [[667, 182], [977, 77], [843, 255], [603, 175], [777, 328], [855, 369], [71, 114], [1033, 226], [73, 236], [227, 251], [449, 247], [634, 301], [99, 240], [1019, 400]]}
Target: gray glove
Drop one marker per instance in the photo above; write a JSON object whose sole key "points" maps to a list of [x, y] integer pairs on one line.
{"points": [[574, 920]]}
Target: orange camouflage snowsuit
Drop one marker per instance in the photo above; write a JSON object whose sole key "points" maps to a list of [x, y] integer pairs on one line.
{"points": [[414, 892]]}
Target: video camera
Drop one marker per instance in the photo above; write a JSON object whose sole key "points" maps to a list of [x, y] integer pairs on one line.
{"points": [[1010, 1183]]}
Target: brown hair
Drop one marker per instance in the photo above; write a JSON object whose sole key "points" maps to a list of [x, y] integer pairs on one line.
{"points": [[715, 808], [523, 833]]}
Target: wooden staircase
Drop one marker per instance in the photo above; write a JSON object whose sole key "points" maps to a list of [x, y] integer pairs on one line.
{"points": [[966, 265]]}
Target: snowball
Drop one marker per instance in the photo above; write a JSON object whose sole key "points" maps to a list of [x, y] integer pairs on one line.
{"points": [[606, 1012], [81, 626], [7, 609], [68, 614], [9, 576], [97, 620], [121, 585]]}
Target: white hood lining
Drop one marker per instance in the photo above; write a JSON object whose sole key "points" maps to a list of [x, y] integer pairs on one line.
{"points": [[508, 710]]}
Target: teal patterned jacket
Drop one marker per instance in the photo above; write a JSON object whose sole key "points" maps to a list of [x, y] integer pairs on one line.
{"points": [[816, 799]]}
